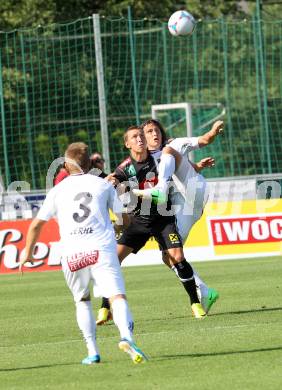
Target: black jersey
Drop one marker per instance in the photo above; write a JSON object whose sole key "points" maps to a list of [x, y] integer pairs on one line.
{"points": [[141, 175]]}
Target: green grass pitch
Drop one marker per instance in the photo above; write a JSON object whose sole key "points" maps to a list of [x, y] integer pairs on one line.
{"points": [[238, 346]]}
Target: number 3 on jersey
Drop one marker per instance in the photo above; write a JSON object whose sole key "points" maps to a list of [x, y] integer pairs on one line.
{"points": [[85, 198]]}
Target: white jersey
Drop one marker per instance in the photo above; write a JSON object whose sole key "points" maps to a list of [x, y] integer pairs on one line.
{"points": [[191, 188], [183, 146], [81, 205], [185, 173]]}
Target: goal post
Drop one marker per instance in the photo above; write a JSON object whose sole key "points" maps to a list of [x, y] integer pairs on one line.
{"points": [[188, 111], [175, 106]]}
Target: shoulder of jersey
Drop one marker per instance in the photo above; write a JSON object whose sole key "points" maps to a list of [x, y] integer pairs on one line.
{"points": [[95, 177], [101, 182], [125, 162]]}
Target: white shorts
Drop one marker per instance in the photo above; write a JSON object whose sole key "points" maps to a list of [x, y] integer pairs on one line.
{"points": [[105, 273], [187, 212]]}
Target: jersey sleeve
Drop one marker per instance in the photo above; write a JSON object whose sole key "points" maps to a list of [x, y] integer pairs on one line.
{"points": [[48, 209], [185, 145], [120, 175]]}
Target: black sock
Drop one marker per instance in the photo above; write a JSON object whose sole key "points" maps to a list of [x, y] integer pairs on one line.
{"points": [[190, 287], [185, 273], [105, 303]]}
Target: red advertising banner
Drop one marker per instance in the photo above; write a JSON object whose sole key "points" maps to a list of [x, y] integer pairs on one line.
{"points": [[246, 229], [12, 242], [226, 230]]}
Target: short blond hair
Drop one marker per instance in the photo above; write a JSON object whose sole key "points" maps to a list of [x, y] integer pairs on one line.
{"points": [[78, 151]]}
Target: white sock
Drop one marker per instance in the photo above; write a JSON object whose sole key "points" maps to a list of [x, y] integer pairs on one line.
{"points": [[166, 170], [87, 325], [122, 318], [201, 285]]}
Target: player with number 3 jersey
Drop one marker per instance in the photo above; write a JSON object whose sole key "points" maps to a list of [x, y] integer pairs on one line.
{"points": [[81, 205]]}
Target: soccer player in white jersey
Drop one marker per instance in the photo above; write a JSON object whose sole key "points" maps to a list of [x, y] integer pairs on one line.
{"points": [[191, 190], [81, 205]]}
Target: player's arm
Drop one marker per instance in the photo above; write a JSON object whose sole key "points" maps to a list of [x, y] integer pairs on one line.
{"points": [[111, 178], [46, 212], [122, 181], [31, 239], [209, 137], [120, 175], [207, 162]]}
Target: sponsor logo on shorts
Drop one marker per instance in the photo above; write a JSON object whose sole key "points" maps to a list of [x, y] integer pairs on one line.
{"points": [[82, 259], [174, 238]]}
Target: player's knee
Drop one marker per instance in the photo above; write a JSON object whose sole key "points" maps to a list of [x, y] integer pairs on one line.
{"points": [[168, 150], [176, 255], [116, 297], [177, 156], [179, 257], [183, 270]]}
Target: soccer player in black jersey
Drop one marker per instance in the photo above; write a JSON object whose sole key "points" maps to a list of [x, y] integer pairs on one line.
{"points": [[150, 220]]}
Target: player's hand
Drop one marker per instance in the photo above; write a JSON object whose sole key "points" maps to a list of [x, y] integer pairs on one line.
{"points": [[24, 259], [207, 162], [111, 178], [217, 127]]}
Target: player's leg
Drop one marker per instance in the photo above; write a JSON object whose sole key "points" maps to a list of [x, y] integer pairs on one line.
{"points": [[87, 325], [123, 320], [131, 241], [170, 160], [187, 215], [104, 314], [166, 168], [202, 288], [185, 274], [78, 283], [108, 280], [185, 221], [171, 244]]}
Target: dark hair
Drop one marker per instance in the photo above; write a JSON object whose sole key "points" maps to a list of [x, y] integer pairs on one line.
{"points": [[129, 129], [96, 159], [159, 125]]}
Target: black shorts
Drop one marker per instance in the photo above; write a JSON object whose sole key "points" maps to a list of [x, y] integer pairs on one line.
{"points": [[163, 229]]}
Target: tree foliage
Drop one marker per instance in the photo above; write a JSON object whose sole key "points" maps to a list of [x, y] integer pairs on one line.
{"points": [[31, 13], [50, 87], [26, 13]]}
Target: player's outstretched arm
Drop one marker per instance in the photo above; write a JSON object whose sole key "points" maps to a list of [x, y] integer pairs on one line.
{"points": [[32, 236], [209, 137], [207, 162]]}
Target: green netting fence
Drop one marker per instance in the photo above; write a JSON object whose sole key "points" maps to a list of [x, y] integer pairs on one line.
{"points": [[49, 93]]}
